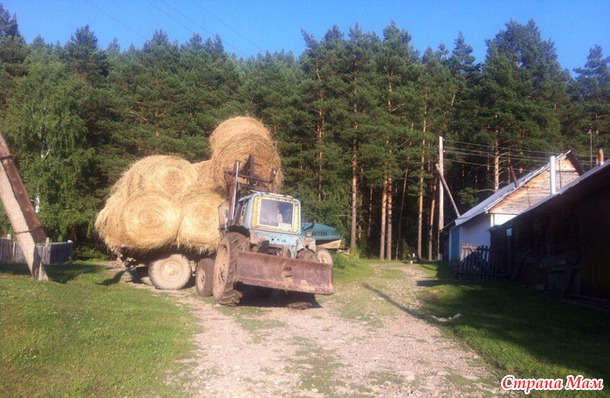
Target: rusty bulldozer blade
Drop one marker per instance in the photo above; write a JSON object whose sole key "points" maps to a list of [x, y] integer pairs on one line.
{"points": [[284, 273]]}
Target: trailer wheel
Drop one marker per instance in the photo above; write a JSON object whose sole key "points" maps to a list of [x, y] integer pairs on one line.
{"points": [[204, 276], [325, 257], [223, 288], [170, 272]]}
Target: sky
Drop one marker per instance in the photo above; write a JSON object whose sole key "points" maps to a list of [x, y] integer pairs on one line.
{"points": [[251, 27]]}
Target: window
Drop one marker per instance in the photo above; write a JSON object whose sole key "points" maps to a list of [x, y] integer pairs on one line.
{"points": [[275, 213]]}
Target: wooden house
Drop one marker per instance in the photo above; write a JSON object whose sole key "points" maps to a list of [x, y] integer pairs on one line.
{"points": [[473, 227], [563, 242]]}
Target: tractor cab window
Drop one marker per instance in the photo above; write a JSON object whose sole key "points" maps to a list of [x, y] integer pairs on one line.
{"points": [[275, 213]]}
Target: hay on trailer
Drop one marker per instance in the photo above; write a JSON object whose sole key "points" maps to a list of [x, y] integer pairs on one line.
{"points": [[266, 158], [199, 226], [171, 175], [108, 223], [238, 127], [148, 221]]}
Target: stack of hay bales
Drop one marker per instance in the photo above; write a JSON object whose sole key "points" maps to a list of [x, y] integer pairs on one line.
{"points": [[166, 201]]}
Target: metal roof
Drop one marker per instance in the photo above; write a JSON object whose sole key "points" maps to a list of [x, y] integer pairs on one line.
{"points": [[486, 205]]}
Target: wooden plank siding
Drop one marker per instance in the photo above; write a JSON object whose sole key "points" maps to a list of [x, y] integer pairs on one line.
{"points": [[563, 244], [536, 189]]}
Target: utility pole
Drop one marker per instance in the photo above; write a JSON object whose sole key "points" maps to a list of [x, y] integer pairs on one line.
{"points": [[441, 195], [20, 212]]}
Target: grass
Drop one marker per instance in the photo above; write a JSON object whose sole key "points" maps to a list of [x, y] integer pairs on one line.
{"points": [[83, 334], [349, 268], [520, 332]]}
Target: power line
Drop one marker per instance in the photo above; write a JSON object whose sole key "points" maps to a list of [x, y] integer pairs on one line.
{"points": [[120, 22], [511, 148], [481, 164], [228, 26], [186, 27], [469, 152]]}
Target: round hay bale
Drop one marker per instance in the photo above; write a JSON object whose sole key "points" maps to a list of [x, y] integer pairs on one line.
{"points": [[199, 226], [204, 176], [108, 223], [171, 175], [149, 220], [266, 158], [236, 128]]}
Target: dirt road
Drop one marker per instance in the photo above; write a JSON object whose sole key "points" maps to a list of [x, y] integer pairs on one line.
{"points": [[366, 340]]}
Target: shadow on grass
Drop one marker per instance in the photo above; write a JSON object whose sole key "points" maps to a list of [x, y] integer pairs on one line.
{"points": [[520, 331], [56, 273], [392, 301]]}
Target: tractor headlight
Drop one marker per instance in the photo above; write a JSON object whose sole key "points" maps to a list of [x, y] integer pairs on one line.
{"points": [[309, 234]]}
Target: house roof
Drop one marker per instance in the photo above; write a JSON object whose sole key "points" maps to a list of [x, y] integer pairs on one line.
{"points": [[486, 205], [589, 176]]}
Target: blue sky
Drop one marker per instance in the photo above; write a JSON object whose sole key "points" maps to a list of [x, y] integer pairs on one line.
{"points": [[247, 27]]}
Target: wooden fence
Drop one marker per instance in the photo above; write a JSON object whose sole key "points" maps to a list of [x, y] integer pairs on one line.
{"points": [[480, 263], [50, 253]]}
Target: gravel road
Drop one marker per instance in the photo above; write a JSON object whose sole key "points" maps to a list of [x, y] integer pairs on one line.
{"points": [[368, 339]]}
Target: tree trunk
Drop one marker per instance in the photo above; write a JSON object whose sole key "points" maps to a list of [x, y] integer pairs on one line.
{"points": [[369, 225], [384, 199], [431, 224], [420, 199], [353, 238], [389, 222], [496, 166], [402, 207]]}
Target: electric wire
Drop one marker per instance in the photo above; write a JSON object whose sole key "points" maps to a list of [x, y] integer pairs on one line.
{"points": [[504, 156], [186, 27], [491, 147], [117, 20], [229, 26]]}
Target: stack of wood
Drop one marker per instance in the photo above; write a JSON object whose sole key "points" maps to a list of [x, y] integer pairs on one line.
{"points": [[166, 201]]}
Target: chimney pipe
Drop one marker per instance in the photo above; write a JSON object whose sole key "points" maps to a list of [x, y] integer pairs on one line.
{"points": [[552, 179], [600, 156]]}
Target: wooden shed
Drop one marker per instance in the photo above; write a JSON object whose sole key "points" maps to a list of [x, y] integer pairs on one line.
{"points": [[473, 227], [562, 243]]}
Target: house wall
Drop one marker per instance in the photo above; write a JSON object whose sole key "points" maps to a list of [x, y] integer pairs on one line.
{"points": [[595, 245], [499, 219], [475, 231]]}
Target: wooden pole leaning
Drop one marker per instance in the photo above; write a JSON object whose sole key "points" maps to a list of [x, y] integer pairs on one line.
{"points": [[21, 213]]}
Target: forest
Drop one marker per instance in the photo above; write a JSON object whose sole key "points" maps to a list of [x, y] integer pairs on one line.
{"points": [[357, 119]]}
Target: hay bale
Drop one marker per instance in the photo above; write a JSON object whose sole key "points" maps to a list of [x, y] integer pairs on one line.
{"points": [[148, 221], [108, 223], [240, 126], [199, 227], [171, 175], [204, 176], [266, 158]]}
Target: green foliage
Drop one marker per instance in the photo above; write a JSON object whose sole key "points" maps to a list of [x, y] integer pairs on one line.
{"points": [[352, 107], [83, 334]]}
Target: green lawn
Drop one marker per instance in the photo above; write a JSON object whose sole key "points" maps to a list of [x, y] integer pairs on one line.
{"points": [[83, 334], [520, 332]]}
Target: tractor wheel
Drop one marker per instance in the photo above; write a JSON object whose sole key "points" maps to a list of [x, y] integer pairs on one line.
{"points": [[325, 257], [204, 277], [223, 288], [170, 272], [300, 300], [307, 255]]}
